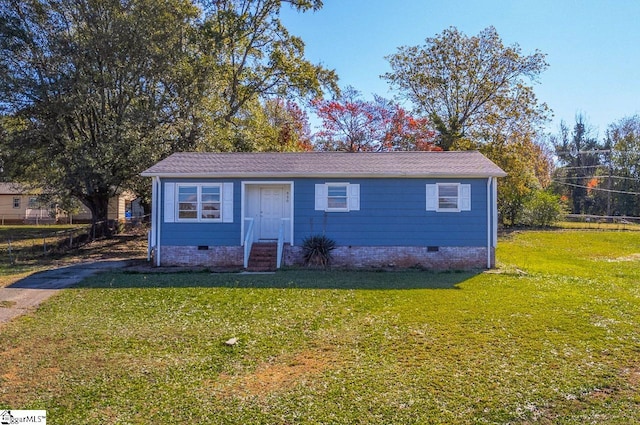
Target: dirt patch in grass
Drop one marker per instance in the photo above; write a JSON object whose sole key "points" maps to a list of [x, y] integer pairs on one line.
{"points": [[130, 246], [12, 377], [124, 246], [632, 257], [281, 374], [633, 376], [623, 259]]}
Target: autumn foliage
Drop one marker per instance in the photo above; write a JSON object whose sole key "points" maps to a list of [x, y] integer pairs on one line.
{"points": [[591, 184], [288, 126], [352, 124]]}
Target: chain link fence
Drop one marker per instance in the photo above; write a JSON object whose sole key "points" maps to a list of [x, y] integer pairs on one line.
{"points": [[23, 244]]}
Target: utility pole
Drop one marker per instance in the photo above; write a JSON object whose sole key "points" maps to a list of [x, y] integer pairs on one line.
{"points": [[609, 184]]}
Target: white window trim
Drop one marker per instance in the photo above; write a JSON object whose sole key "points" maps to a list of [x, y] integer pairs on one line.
{"points": [[457, 208], [463, 198], [32, 203], [322, 197], [16, 202], [198, 218], [171, 202]]}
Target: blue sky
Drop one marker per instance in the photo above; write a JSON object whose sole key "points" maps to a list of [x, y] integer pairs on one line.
{"points": [[592, 47]]}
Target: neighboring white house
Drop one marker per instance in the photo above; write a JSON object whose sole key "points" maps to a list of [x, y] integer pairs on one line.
{"points": [[19, 205]]}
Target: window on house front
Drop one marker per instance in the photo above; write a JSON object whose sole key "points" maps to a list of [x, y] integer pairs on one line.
{"points": [[188, 202], [199, 202], [448, 197], [210, 198], [337, 197], [16, 202], [33, 203]]}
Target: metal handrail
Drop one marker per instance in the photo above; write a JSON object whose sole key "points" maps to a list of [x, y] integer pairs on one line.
{"points": [[149, 247], [248, 242], [281, 242]]}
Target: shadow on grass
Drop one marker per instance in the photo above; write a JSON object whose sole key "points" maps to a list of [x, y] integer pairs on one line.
{"points": [[297, 279]]}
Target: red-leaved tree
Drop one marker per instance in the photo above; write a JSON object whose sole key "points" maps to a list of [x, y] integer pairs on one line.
{"points": [[290, 125], [352, 124]]}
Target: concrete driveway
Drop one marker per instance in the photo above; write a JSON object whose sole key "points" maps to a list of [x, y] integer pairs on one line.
{"points": [[28, 293]]}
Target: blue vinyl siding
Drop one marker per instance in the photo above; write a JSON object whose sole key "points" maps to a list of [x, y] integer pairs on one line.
{"points": [[392, 213]]}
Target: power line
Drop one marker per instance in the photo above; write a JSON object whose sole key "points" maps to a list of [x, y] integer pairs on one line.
{"points": [[598, 177], [582, 166], [595, 151], [596, 188]]}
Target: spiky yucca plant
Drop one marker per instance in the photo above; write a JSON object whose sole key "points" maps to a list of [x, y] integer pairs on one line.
{"points": [[316, 250]]}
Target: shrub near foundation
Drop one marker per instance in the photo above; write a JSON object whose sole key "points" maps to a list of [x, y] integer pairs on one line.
{"points": [[316, 250]]}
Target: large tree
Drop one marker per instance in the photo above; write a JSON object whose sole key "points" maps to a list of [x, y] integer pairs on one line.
{"points": [[352, 124], [469, 86], [272, 125], [528, 166], [100, 89], [252, 54], [93, 85]]}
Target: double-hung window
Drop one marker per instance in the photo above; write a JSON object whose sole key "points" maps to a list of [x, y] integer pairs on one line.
{"points": [[211, 202], [199, 202], [448, 197], [337, 197], [187, 202], [16, 202]]}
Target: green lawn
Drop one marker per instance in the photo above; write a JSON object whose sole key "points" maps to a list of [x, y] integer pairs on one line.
{"points": [[552, 337]]}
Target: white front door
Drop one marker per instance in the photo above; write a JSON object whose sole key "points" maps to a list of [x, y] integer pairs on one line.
{"points": [[271, 212]]}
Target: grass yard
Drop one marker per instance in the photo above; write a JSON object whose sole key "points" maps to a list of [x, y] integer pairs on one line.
{"points": [[551, 337]]}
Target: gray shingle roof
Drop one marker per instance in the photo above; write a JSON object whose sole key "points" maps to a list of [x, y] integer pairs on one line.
{"points": [[326, 164], [14, 189]]}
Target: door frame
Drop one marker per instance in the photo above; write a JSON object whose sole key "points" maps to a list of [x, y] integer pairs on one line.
{"points": [[267, 225], [244, 201]]}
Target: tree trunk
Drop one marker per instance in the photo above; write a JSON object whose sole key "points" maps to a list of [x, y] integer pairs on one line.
{"points": [[98, 204], [146, 210]]}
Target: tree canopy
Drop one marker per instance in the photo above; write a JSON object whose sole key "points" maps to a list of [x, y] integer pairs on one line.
{"points": [[95, 91], [352, 124], [469, 87]]}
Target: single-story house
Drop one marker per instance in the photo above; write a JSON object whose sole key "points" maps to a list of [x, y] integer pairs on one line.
{"points": [[20, 205], [434, 210]]}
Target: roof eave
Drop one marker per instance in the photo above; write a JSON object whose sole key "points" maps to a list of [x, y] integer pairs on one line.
{"points": [[321, 175]]}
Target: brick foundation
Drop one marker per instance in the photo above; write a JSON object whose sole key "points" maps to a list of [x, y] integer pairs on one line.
{"points": [[444, 258], [214, 256]]}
